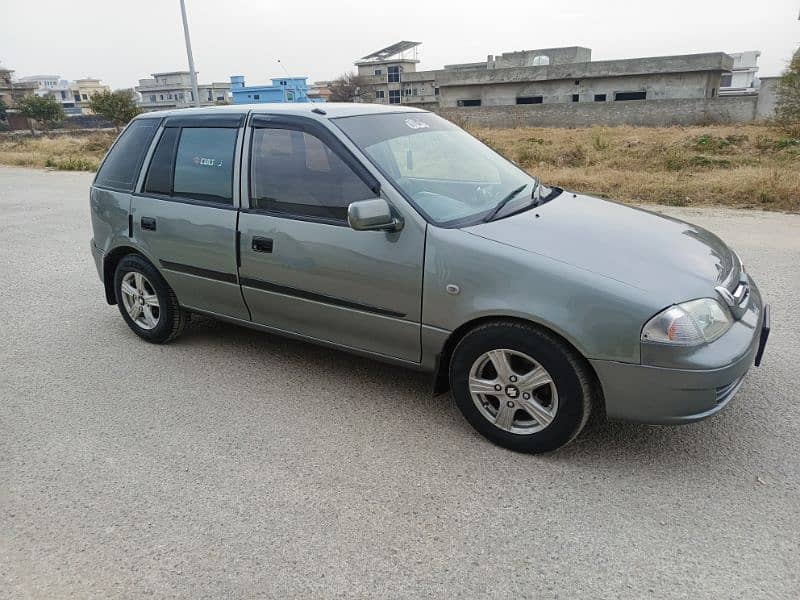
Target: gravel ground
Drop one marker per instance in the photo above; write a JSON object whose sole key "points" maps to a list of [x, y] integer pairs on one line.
{"points": [[236, 464]]}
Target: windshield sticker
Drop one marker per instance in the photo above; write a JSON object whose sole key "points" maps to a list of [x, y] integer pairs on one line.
{"points": [[417, 124]]}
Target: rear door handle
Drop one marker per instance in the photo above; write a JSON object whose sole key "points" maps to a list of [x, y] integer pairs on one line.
{"points": [[261, 244], [148, 223]]}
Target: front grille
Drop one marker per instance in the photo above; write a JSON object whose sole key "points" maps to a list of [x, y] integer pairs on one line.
{"points": [[726, 392], [730, 273]]}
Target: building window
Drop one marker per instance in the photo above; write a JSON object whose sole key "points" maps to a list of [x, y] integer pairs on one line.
{"points": [[599, 97], [630, 96], [393, 74], [415, 92], [394, 96], [256, 97], [468, 103], [726, 80], [576, 97], [289, 96], [529, 100], [436, 91], [78, 97], [380, 94], [378, 72], [162, 96], [153, 98], [84, 97], [407, 91]]}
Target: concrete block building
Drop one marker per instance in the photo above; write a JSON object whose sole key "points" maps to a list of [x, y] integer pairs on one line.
{"points": [[173, 89], [543, 76]]}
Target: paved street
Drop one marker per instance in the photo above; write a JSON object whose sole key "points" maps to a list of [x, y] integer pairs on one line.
{"points": [[237, 464]]}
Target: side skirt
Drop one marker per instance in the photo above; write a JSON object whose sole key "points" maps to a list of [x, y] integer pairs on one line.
{"points": [[288, 334]]}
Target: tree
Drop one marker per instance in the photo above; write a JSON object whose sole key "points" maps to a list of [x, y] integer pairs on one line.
{"points": [[3, 109], [119, 106], [44, 109], [350, 87], [787, 110]]}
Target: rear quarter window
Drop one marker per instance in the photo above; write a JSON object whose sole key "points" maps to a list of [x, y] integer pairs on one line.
{"points": [[121, 167]]}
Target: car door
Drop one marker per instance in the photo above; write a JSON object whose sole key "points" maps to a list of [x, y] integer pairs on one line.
{"points": [[184, 216], [303, 270]]}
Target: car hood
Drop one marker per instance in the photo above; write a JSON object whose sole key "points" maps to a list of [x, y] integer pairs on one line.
{"points": [[654, 253]]}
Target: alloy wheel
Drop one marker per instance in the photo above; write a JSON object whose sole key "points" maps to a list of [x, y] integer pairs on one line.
{"points": [[513, 391], [140, 300]]}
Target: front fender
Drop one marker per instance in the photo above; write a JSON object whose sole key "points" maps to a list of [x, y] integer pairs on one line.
{"points": [[601, 317]]}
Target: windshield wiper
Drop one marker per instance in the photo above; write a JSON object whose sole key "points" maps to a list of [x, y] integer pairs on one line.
{"points": [[509, 197]]}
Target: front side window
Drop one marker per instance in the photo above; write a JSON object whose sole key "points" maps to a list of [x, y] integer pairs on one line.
{"points": [[204, 164], [451, 177], [121, 167], [296, 174]]}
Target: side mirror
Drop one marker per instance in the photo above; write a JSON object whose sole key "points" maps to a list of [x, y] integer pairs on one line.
{"points": [[372, 215]]}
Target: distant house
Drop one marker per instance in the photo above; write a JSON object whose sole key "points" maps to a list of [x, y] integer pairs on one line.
{"points": [[282, 89], [742, 78], [84, 89], [173, 89], [11, 89], [74, 96]]}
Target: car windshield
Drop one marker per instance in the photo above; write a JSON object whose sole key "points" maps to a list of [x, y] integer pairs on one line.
{"points": [[449, 175]]}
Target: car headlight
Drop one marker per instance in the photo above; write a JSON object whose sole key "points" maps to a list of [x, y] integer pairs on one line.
{"points": [[688, 324]]}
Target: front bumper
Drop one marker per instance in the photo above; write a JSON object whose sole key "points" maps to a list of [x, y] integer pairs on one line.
{"points": [[671, 396]]}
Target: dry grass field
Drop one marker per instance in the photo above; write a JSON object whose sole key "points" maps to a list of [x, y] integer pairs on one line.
{"points": [[743, 166], [63, 151]]}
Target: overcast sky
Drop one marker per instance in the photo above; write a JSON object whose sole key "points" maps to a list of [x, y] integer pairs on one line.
{"points": [[121, 42]]}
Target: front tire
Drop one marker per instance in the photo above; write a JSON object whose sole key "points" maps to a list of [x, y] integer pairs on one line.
{"points": [[147, 303], [521, 387]]}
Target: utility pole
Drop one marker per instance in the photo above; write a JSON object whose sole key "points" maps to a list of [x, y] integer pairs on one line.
{"points": [[192, 72]]}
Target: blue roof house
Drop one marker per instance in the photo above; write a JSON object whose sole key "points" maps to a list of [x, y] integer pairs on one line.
{"points": [[282, 89]]}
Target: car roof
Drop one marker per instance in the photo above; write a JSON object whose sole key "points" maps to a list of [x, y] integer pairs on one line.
{"points": [[331, 110]]}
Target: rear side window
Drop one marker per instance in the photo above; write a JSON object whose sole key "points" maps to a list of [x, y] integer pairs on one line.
{"points": [[204, 164], [121, 167], [159, 175], [295, 173]]}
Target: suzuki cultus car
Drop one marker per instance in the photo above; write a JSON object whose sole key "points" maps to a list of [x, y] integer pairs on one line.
{"points": [[390, 232]]}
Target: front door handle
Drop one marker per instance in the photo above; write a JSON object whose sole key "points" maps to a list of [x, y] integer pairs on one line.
{"points": [[262, 244], [148, 223]]}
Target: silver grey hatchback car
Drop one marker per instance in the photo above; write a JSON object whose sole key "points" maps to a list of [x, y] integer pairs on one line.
{"points": [[390, 232]]}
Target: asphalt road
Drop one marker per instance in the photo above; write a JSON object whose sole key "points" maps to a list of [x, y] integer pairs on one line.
{"points": [[237, 464]]}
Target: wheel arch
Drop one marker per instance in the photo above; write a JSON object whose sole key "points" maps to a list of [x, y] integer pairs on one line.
{"points": [[441, 381], [110, 262]]}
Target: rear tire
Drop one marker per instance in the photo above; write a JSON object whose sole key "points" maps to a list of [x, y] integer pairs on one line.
{"points": [[521, 387], [147, 303]]}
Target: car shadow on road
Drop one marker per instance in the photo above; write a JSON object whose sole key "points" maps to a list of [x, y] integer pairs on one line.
{"points": [[603, 443]]}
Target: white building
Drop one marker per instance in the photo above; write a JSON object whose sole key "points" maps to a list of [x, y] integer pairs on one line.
{"points": [[74, 96], [743, 77], [53, 85], [174, 90]]}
